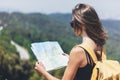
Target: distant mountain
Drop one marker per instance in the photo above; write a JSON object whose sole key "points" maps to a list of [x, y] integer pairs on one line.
{"points": [[65, 18]]}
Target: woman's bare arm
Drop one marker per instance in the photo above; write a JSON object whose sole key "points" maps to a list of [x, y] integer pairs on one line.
{"points": [[75, 60]]}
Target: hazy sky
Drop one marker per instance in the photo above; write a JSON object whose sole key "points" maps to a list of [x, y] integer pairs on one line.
{"points": [[105, 8]]}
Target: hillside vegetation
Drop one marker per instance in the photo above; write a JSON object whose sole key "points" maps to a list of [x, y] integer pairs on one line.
{"points": [[25, 29]]}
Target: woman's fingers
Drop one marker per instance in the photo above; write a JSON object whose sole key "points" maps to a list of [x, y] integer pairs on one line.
{"points": [[35, 68], [39, 65]]}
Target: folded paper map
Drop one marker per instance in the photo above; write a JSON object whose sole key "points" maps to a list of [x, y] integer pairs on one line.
{"points": [[50, 54]]}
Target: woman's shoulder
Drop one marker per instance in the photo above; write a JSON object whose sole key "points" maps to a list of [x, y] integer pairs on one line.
{"points": [[77, 53], [77, 49]]}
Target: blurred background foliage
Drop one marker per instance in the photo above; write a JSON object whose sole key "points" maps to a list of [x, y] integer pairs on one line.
{"points": [[25, 29]]}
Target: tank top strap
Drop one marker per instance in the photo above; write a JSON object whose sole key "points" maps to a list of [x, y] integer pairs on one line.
{"points": [[88, 57]]}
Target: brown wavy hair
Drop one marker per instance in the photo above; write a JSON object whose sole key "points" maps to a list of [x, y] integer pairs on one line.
{"points": [[84, 14]]}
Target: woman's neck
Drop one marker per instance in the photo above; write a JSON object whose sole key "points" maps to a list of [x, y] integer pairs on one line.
{"points": [[88, 41]]}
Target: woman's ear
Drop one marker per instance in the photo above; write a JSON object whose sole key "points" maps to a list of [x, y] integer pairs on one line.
{"points": [[78, 31]]}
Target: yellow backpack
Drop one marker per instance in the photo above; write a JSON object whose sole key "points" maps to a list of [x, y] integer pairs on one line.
{"points": [[105, 69]]}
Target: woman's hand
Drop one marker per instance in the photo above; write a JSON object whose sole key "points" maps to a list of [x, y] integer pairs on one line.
{"points": [[39, 67]]}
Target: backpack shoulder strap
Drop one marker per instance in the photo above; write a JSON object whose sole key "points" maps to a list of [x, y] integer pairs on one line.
{"points": [[104, 54], [92, 54], [90, 51]]}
